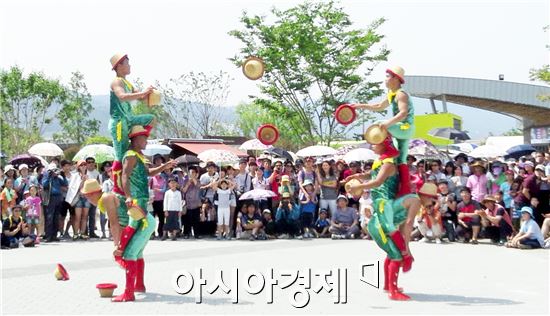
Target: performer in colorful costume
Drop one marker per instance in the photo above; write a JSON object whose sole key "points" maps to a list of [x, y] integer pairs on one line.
{"points": [[122, 119], [401, 125], [389, 213]]}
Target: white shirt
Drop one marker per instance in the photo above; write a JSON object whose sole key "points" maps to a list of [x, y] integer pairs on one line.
{"points": [[94, 174], [244, 182], [206, 179], [107, 186], [226, 198], [172, 201]]}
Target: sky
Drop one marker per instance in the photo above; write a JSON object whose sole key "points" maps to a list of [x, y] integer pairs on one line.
{"points": [[164, 39]]}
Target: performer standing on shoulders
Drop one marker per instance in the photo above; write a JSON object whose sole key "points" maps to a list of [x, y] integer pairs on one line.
{"points": [[401, 125]]}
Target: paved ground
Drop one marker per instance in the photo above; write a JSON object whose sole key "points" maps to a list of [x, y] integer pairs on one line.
{"points": [[448, 278]]}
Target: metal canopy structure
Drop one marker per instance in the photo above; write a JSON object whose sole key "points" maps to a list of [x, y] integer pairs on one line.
{"points": [[513, 99]]}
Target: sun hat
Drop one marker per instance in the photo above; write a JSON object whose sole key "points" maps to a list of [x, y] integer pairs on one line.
{"points": [[266, 211], [308, 182], [90, 186], [398, 72], [117, 59], [375, 134], [428, 189], [489, 198], [8, 168], [23, 166], [527, 209], [286, 178], [138, 130], [341, 196]]}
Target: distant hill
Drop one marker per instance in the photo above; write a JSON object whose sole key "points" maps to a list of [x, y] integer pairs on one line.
{"points": [[101, 113]]}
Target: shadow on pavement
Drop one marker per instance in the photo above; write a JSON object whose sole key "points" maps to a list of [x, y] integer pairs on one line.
{"points": [[460, 300], [184, 299]]}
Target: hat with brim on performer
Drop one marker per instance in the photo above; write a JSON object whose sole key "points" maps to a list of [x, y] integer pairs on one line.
{"points": [[398, 72], [428, 190], [90, 186], [138, 130], [267, 134], [117, 59], [60, 273], [253, 68], [375, 134], [489, 198], [345, 114], [356, 192]]}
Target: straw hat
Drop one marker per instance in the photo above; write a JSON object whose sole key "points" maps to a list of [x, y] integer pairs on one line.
{"points": [[90, 186], [138, 130], [375, 134], [117, 59], [267, 134], [398, 72], [60, 273], [253, 68], [106, 289], [489, 198], [428, 189], [352, 182], [345, 114], [478, 164]]}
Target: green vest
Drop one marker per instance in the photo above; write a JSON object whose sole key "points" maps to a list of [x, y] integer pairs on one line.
{"points": [[139, 184], [388, 189], [121, 109], [395, 109]]}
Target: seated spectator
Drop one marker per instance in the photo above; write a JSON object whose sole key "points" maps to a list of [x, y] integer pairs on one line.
{"points": [[15, 229], [269, 224], [251, 223], [529, 235], [308, 205], [447, 207], [287, 216], [469, 223], [344, 223], [545, 228], [429, 224], [322, 225], [495, 220], [208, 220]]}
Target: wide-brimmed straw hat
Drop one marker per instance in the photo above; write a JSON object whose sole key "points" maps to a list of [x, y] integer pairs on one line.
{"points": [[428, 189], [398, 72], [90, 186], [375, 134], [489, 198], [138, 130], [253, 68], [117, 59]]}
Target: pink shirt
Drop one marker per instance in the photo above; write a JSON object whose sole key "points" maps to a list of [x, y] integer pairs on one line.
{"points": [[478, 185], [158, 182], [34, 206]]}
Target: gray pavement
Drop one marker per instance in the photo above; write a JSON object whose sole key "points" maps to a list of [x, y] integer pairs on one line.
{"points": [[445, 279]]}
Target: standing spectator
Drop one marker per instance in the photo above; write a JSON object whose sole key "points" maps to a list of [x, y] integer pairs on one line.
{"points": [[24, 182], [191, 194], [308, 172], [260, 183], [92, 173], [10, 173], [328, 181], [286, 218], [8, 198], [66, 208], [506, 188], [79, 202], [106, 187], [459, 181], [495, 221], [344, 223], [543, 193], [158, 184], [469, 222], [496, 177], [429, 224], [274, 180], [224, 199], [461, 161], [33, 209], [52, 182], [530, 235], [172, 205], [435, 175], [243, 181], [308, 203], [208, 181], [449, 173], [410, 163], [477, 182]]}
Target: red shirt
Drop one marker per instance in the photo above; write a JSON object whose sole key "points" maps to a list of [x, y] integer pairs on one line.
{"points": [[468, 208]]}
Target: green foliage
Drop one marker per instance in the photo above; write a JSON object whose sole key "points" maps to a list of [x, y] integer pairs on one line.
{"points": [[315, 61], [24, 102], [513, 132], [70, 152], [542, 74], [73, 115]]}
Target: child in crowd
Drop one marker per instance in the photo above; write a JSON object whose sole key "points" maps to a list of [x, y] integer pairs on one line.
{"points": [[269, 224], [322, 225], [8, 198], [252, 223], [33, 208], [106, 187], [172, 210], [308, 203], [224, 199]]}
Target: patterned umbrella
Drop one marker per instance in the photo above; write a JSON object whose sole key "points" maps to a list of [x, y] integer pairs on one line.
{"points": [[218, 156], [99, 152], [32, 161], [257, 194], [254, 144], [360, 154], [449, 133], [46, 150], [156, 149], [423, 149]]}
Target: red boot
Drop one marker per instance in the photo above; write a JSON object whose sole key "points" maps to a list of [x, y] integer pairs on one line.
{"points": [[387, 274], [128, 294], [393, 271], [399, 242], [125, 237], [140, 287], [116, 168], [404, 180]]}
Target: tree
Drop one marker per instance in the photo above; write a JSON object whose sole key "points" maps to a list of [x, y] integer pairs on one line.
{"points": [[76, 127], [192, 103], [315, 61], [98, 139], [161, 130], [24, 103], [542, 74], [516, 131]]}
